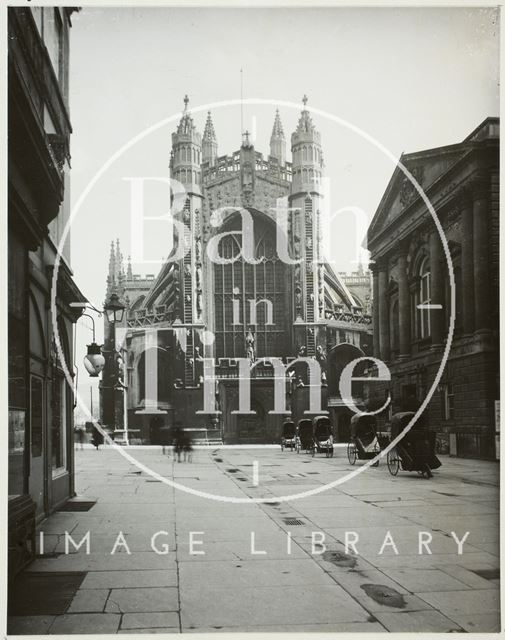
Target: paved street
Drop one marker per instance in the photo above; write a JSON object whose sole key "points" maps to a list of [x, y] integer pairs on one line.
{"points": [[234, 587]]}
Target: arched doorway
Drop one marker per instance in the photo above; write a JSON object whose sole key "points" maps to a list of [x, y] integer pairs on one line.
{"points": [[340, 414], [251, 428]]}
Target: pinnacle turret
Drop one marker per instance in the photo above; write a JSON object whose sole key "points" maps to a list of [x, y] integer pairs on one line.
{"points": [[278, 141], [209, 133], [277, 131], [186, 154], [209, 142], [305, 124], [307, 153], [186, 124], [111, 276]]}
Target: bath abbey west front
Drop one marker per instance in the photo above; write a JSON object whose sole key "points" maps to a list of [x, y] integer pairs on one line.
{"points": [[237, 307]]}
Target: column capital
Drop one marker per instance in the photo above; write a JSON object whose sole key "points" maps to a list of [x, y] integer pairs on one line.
{"points": [[373, 267], [380, 264]]}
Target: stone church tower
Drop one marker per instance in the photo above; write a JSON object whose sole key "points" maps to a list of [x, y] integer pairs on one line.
{"points": [[270, 306]]}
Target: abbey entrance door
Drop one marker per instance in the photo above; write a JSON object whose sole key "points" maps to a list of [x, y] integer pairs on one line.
{"points": [[251, 427]]}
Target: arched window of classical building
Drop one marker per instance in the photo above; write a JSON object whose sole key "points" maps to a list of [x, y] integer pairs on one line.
{"points": [[422, 298]]}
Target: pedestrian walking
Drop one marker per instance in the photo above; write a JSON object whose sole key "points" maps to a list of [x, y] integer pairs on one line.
{"points": [[96, 438], [178, 443], [79, 433], [187, 447]]}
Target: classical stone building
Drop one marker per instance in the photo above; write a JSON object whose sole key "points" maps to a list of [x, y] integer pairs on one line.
{"points": [[265, 305], [40, 412], [410, 275]]}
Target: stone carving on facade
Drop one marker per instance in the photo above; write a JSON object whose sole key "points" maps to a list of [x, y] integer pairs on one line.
{"points": [[408, 192], [249, 350], [296, 246]]}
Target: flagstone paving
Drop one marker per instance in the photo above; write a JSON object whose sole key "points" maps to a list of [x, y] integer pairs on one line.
{"points": [[164, 560]]}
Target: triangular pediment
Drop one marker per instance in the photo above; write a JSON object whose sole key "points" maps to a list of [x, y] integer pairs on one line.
{"points": [[426, 167]]}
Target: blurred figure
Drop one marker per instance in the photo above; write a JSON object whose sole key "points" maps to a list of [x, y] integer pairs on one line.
{"points": [[187, 447], [178, 443], [79, 436], [96, 437]]}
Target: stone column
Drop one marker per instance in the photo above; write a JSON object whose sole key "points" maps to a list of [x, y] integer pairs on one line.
{"points": [[480, 255], [383, 313], [466, 294], [403, 305], [437, 289], [375, 310]]}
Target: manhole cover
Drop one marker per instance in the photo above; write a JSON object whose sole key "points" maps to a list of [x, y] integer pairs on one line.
{"points": [[292, 521]]}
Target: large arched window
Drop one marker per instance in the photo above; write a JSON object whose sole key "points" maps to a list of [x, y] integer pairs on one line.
{"points": [[422, 299], [250, 297]]}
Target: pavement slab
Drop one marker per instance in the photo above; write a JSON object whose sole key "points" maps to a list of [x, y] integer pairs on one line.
{"points": [[71, 623], [142, 600], [29, 625], [240, 574], [420, 580], [464, 602], [126, 579], [417, 622], [166, 630], [89, 601], [166, 620], [288, 605]]}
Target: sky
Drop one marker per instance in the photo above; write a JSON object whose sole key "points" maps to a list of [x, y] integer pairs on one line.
{"points": [[411, 78]]}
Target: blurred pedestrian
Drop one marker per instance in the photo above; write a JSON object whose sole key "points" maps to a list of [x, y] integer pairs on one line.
{"points": [[79, 433], [178, 443], [187, 447], [96, 438]]}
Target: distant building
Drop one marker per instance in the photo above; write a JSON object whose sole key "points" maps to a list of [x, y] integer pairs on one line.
{"points": [[41, 401], [269, 309], [359, 284], [410, 270]]}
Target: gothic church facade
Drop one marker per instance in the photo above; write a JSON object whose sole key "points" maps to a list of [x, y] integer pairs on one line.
{"points": [[271, 306]]}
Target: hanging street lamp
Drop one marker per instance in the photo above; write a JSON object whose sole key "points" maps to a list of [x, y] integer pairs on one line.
{"points": [[114, 309]]}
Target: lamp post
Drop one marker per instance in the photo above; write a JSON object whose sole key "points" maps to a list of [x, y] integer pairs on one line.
{"points": [[114, 310], [94, 361]]}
